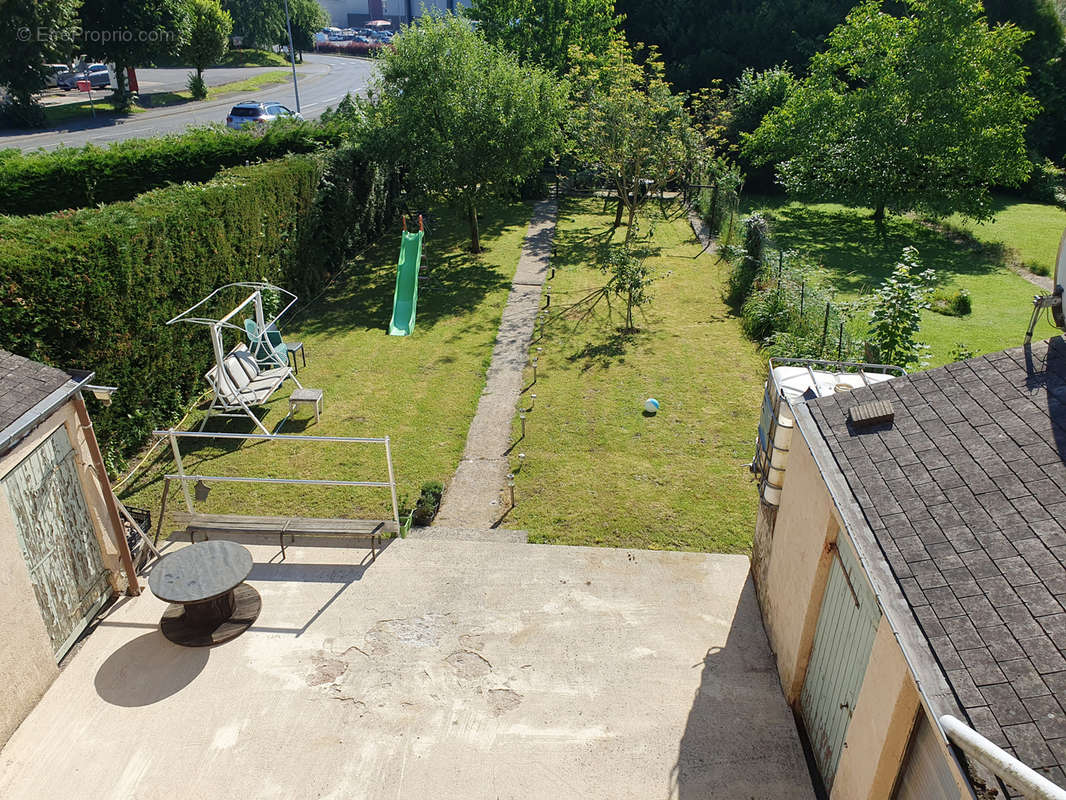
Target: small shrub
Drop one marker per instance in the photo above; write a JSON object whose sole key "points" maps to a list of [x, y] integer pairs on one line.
{"points": [[897, 313], [960, 352], [747, 267], [197, 86], [951, 303], [428, 502], [630, 279]]}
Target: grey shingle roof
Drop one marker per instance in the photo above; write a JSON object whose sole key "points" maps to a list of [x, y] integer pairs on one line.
{"points": [[966, 494], [23, 384]]}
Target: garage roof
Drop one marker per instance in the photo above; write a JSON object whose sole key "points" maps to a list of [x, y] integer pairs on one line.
{"points": [[29, 391], [964, 492]]}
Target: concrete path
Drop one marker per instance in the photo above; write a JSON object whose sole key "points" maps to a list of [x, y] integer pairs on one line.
{"points": [[444, 669], [474, 499]]}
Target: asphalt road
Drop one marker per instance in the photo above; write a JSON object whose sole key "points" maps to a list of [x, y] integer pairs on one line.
{"points": [[324, 80]]}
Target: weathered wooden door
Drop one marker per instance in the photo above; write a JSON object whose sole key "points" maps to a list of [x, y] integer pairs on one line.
{"points": [[57, 539], [843, 639]]}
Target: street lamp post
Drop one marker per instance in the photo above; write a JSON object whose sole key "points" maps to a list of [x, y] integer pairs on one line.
{"points": [[292, 57]]}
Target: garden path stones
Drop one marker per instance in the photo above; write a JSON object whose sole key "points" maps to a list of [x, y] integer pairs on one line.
{"points": [[477, 498]]}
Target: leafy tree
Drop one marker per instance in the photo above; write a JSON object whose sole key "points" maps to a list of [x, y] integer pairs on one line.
{"points": [[627, 123], [897, 313], [462, 116], [703, 40], [138, 31], [307, 17], [1044, 53], [630, 279], [923, 112], [543, 31], [24, 53], [258, 23], [752, 97], [209, 30]]}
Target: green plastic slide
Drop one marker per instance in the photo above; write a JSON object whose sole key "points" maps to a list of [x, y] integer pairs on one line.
{"points": [[405, 300]]}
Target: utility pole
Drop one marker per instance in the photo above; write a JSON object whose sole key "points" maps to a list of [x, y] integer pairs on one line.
{"points": [[292, 57]]}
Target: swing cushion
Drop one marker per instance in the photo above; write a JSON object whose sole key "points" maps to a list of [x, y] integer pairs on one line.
{"points": [[273, 351]]}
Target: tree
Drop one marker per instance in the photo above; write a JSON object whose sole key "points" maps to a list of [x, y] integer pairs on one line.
{"points": [[258, 23], [703, 40], [136, 31], [543, 31], [209, 30], [307, 17], [461, 116], [627, 123], [1044, 54], [26, 45], [923, 112]]}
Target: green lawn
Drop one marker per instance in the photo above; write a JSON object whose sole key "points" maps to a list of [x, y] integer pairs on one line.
{"points": [[858, 257], [1028, 233], [597, 470], [420, 390], [81, 110]]}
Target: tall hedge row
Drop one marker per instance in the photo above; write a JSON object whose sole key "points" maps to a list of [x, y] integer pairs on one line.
{"points": [[74, 177], [94, 288]]}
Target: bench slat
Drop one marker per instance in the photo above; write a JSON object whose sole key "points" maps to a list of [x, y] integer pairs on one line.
{"points": [[292, 525]]}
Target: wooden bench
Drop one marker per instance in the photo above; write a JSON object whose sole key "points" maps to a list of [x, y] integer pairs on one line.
{"points": [[220, 524]]}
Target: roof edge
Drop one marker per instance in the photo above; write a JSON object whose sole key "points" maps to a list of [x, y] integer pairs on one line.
{"points": [[17, 430]]}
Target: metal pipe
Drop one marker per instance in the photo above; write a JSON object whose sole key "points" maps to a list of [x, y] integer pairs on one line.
{"points": [[292, 57], [266, 436], [181, 471], [1028, 781], [392, 486], [289, 481]]}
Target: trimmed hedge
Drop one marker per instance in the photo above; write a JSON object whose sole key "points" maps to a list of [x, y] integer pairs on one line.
{"points": [[75, 177], [94, 288]]}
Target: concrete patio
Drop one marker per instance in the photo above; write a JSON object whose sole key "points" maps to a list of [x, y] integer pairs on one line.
{"points": [[446, 669]]}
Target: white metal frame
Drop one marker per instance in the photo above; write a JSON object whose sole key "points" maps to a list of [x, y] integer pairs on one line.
{"points": [[183, 477], [221, 404]]}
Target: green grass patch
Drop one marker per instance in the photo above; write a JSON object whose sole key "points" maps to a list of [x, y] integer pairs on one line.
{"points": [[252, 58], [68, 112], [1026, 233], [859, 256], [597, 470], [420, 390], [271, 78]]}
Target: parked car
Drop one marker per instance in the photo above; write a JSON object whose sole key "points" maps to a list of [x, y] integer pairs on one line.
{"points": [[51, 79], [98, 75], [256, 113]]}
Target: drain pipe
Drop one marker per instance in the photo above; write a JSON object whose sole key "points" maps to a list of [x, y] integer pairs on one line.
{"points": [[1031, 784]]}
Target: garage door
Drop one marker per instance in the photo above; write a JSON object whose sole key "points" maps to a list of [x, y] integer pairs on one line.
{"points": [[926, 774], [843, 639], [57, 539]]}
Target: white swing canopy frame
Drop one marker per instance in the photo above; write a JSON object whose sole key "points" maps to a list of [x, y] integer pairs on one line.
{"points": [[236, 379]]}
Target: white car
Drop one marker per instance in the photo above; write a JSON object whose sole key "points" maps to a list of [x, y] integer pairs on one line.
{"points": [[256, 113]]}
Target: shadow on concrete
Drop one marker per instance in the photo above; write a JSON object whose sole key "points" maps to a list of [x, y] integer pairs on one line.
{"points": [[740, 741], [148, 669]]}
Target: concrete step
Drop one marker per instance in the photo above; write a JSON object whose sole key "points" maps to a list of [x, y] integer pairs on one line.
{"points": [[499, 535]]}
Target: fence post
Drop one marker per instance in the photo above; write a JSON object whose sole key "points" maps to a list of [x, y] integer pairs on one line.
{"points": [[825, 331], [392, 485]]}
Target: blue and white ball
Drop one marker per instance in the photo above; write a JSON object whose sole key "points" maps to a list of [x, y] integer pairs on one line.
{"points": [[651, 405]]}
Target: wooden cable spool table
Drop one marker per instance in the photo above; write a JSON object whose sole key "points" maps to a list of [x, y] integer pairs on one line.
{"points": [[204, 583]]}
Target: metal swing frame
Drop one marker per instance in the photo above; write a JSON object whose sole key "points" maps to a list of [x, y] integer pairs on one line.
{"points": [[232, 402]]}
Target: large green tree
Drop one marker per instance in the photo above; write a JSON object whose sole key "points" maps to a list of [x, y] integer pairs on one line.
{"points": [[32, 35], [704, 40], [259, 23], [627, 123], [543, 31], [1044, 53], [307, 17], [461, 116], [132, 32], [209, 30], [922, 112]]}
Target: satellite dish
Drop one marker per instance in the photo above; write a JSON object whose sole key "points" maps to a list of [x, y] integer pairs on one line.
{"points": [[1060, 281], [1052, 301]]}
